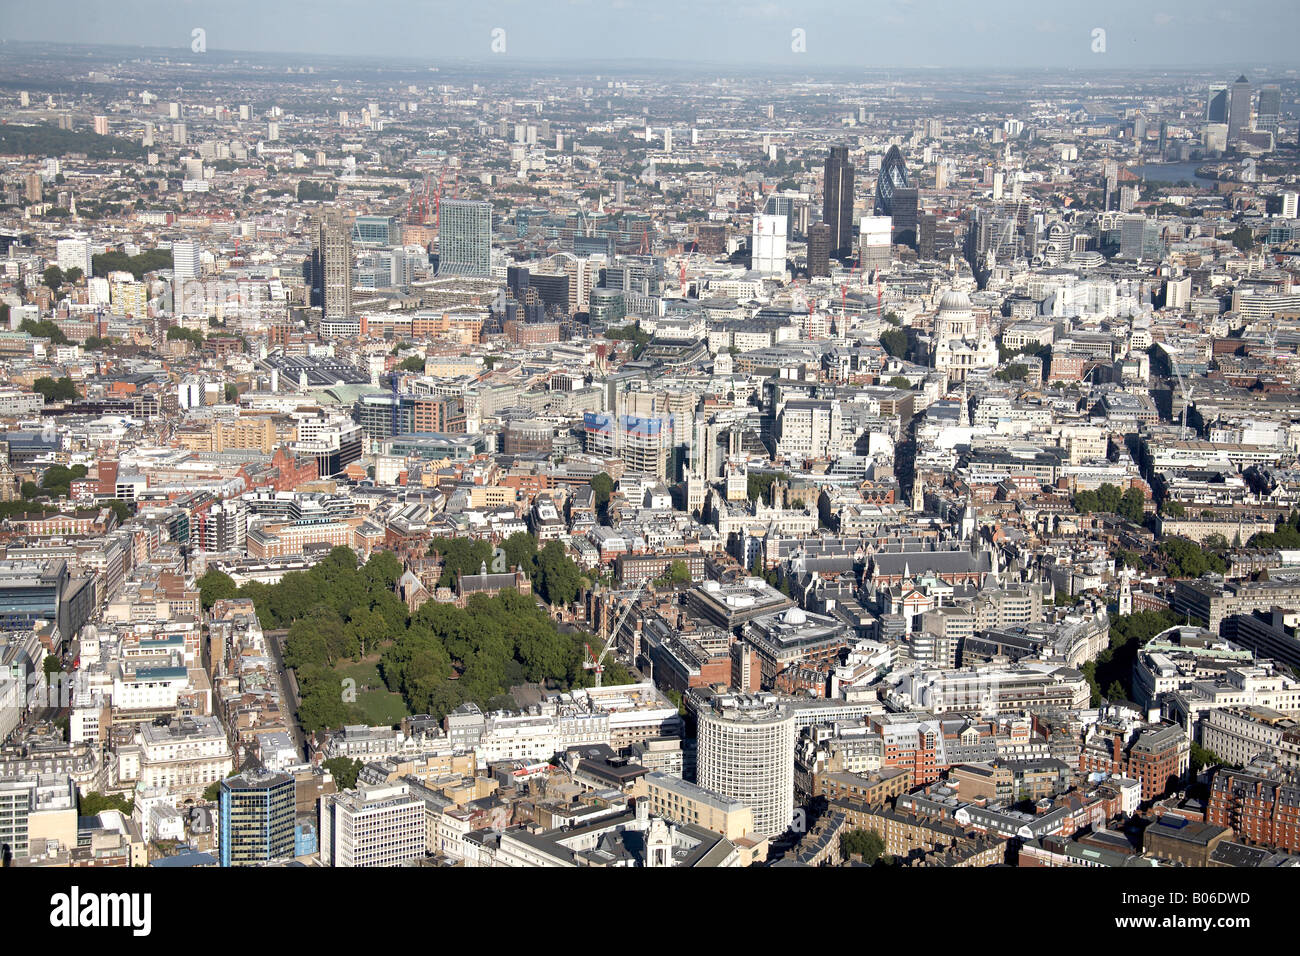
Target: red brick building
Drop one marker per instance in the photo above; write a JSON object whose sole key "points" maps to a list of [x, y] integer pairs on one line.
{"points": [[1156, 755], [1262, 807]]}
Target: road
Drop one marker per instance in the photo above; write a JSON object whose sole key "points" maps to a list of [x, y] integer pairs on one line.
{"points": [[288, 700]]}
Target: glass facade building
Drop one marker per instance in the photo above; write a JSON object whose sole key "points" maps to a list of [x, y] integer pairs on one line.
{"points": [[256, 819]]}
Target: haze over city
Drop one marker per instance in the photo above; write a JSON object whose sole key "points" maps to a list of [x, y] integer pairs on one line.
{"points": [[890, 34]]}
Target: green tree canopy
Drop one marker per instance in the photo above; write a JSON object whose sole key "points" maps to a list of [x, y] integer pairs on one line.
{"points": [[216, 586], [865, 843], [344, 770], [55, 390], [894, 341]]}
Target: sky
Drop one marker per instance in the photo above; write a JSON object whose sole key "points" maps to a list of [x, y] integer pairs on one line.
{"points": [[868, 34]]}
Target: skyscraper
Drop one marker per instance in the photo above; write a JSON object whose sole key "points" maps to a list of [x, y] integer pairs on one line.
{"points": [[819, 250], [767, 245], [1216, 103], [255, 818], [837, 201], [875, 235], [906, 213], [332, 264], [185, 260], [746, 752], [1269, 110], [1238, 108], [465, 238]]}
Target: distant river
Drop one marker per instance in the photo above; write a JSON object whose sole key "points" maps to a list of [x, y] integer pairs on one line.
{"points": [[1174, 173]]}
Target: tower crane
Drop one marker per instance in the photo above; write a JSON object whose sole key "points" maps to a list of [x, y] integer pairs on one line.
{"points": [[598, 663]]}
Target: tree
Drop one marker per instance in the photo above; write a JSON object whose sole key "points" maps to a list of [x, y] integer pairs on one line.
{"points": [[894, 341], [602, 487], [344, 770], [1285, 534], [521, 552], [1202, 757], [557, 574], [73, 276], [52, 277], [1243, 237], [95, 803], [216, 586], [759, 483], [460, 556], [867, 844], [414, 363], [1132, 507], [60, 390], [57, 480], [45, 329], [1188, 560], [899, 382], [367, 627], [381, 573], [175, 332]]}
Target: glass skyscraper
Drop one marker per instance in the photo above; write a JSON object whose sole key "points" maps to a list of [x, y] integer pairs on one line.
{"points": [[837, 201], [1238, 108]]}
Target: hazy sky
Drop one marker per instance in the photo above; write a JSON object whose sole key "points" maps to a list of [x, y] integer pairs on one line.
{"points": [[862, 33]]}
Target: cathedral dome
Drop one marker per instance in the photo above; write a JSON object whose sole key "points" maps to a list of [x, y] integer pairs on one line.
{"points": [[955, 302]]}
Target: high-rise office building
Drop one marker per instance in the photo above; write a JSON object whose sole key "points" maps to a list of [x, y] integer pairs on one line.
{"points": [[185, 260], [837, 201], [819, 250], [465, 238], [376, 231], [875, 236], [767, 245], [783, 206], [906, 214], [255, 818], [927, 227], [746, 752], [1238, 108], [332, 264], [1139, 238], [1269, 110], [74, 254], [1216, 103]]}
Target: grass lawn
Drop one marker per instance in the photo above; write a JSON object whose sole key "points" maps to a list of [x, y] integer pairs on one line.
{"points": [[380, 706], [365, 672]]}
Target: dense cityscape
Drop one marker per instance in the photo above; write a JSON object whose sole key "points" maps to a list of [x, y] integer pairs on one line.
{"points": [[444, 466]]}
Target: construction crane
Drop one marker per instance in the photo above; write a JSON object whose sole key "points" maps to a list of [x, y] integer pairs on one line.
{"points": [[437, 199], [597, 664], [417, 204]]}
